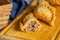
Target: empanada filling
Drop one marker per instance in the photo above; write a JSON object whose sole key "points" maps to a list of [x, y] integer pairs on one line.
{"points": [[32, 26]]}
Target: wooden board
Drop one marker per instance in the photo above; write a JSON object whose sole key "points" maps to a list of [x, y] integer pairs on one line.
{"points": [[6, 37], [58, 36], [57, 33], [47, 32]]}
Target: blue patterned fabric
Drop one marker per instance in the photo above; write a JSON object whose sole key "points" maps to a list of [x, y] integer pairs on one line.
{"points": [[18, 7], [28, 1]]}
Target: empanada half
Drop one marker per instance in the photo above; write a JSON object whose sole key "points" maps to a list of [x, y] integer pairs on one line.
{"points": [[30, 25]]}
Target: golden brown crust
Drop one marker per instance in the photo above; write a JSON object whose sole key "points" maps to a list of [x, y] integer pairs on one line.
{"points": [[47, 5], [27, 17], [45, 12], [21, 26], [3, 24], [4, 14], [54, 2]]}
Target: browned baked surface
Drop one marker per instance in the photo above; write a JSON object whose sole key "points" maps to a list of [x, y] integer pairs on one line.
{"points": [[54, 2], [3, 2], [45, 12], [4, 15]]}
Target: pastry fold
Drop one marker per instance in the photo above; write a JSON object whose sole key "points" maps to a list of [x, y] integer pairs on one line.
{"points": [[54, 2], [45, 12]]}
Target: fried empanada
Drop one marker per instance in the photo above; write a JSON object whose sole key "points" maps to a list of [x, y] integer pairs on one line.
{"points": [[45, 12], [54, 2], [43, 3], [45, 15], [30, 24]]}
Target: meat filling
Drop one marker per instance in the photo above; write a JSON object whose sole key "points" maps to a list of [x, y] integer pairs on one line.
{"points": [[32, 26]]}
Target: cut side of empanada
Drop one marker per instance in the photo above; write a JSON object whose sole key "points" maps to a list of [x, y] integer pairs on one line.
{"points": [[30, 24]]}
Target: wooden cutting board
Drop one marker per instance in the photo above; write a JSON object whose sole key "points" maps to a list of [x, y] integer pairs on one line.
{"points": [[7, 37]]}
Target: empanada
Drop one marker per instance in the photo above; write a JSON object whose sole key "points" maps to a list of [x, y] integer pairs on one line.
{"points": [[30, 24], [43, 3], [3, 24], [45, 15], [54, 2], [4, 15]]}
